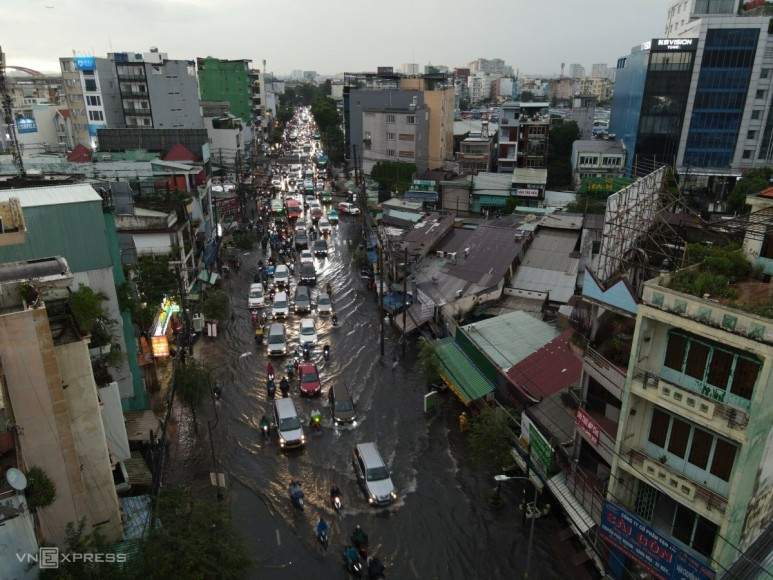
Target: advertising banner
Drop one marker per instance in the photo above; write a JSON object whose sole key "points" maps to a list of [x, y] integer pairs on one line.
{"points": [[637, 540], [588, 426]]}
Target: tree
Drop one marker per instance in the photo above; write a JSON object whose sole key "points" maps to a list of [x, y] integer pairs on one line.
{"points": [[753, 182], [41, 489], [192, 387], [196, 539], [216, 306], [559, 154], [395, 176], [489, 438], [527, 96], [428, 362], [86, 307]]}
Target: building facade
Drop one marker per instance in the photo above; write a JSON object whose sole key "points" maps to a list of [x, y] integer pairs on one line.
{"points": [[228, 80], [523, 136]]}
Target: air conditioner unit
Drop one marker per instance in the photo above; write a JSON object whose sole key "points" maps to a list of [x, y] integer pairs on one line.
{"points": [[198, 323], [439, 254], [459, 293]]}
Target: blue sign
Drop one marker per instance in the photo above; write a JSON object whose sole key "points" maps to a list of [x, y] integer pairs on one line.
{"points": [[93, 128], [659, 555], [85, 63], [26, 126]]}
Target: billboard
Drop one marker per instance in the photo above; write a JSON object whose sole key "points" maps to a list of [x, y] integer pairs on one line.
{"points": [[26, 126], [85, 63], [658, 554]]}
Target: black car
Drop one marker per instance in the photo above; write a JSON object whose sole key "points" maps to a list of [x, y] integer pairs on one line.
{"points": [[320, 248], [301, 239], [308, 274]]}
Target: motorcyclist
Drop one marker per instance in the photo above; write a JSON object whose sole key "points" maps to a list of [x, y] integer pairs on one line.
{"points": [[334, 320], [284, 385], [334, 491], [326, 352], [264, 425], [270, 370], [306, 352], [375, 567], [322, 526], [316, 419], [360, 539], [217, 389], [296, 492], [352, 555]]}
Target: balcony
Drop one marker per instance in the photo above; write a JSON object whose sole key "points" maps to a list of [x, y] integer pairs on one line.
{"points": [[611, 376], [134, 94], [725, 419], [136, 111], [131, 77], [605, 439], [662, 477]]}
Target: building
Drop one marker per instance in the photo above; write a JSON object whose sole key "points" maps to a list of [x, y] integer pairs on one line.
{"points": [[523, 136], [595, 162], [410, 68], [576, 71], [475, 154], [599, 87], [491, 66], [232, 81], [126, 89], [584, 113], [438, 95], [395, 134], [599, 70]]}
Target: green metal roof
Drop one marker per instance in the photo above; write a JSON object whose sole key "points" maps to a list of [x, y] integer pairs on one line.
{"points": [[464, 378], [509, 338], [488, 201]]}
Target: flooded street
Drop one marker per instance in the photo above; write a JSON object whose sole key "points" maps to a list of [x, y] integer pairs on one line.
{"points": [[439, 527]]}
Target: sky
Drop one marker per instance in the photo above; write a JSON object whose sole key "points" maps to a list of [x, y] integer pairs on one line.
{"points": [[335, 36]]}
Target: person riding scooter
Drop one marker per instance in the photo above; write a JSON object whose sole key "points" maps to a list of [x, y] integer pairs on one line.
{"points": [[316, 420], [306, 352], [326, 352], [284, 386], [264, 427]]}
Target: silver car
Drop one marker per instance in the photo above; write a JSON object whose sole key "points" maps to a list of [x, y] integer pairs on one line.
{"points": [[324, 304]]}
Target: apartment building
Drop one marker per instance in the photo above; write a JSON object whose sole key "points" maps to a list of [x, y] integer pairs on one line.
{"points": [[523, 136]]}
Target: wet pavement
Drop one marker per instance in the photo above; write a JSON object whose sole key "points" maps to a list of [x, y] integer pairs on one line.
{"points": [[440, 526]]}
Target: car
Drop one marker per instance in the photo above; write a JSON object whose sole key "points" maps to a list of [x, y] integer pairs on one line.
{"points": [[308, 275], [326, 196], [288, 424], [324, 226], [307, 257], [332, 216], [373, 475], [308, 185], [277, 341], [319, 248], [307, 332], [342, 405], [282, 276], [316, 214], [350, 208], [280, 307], [256, 298], [308, 199], [302, 299], [324, 304], [308, 374], [301, 239], [276, 182], [301, 225]]}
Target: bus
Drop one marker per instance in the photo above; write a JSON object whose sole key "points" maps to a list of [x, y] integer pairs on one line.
{"points": [[293, 209]]}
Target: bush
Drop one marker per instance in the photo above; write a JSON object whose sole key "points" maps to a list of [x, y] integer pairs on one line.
{"points": [[86, 307], [41, 489]]}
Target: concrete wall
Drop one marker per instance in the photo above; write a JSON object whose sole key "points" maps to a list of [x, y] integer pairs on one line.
{"points": [[174, 95]]}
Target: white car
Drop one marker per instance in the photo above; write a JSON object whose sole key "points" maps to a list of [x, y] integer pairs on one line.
{"points": [[308, 332], [256, 298], [281, 276], [314, 204], [306, 257], [324, 305], [324, 226]]}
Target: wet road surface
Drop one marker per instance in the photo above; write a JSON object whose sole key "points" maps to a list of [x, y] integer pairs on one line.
{"points": [[440, 526]]}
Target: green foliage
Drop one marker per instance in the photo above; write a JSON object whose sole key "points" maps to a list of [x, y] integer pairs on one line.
{"points": [[754, 181], [428, 362], [216, 306], [325, 114], [80, 542], [560, 141], [587, 204], [244, 241], [394, 176], [196, 540], [717, 268], [192, 386], [155, 279], [41, 489], [489, 438], [360, 259], [86, 307], [527, 96]]}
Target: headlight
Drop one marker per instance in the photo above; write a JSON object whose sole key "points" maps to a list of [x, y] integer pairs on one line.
{"points": [[303, 438], [394, 495], [371, 500]]}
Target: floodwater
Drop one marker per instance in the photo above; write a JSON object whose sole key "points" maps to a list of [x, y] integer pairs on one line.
{"points": [[439, 527]]}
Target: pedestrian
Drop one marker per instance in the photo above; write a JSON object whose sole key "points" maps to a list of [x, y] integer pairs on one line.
{"points": [[463, 422]]}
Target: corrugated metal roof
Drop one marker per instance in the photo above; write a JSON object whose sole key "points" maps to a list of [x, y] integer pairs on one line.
{"points": [[550, 250], [62, 221], [466, 380], [138, 512], [559, 285], [530, 175], [549, 370], [510, 338], [564, 221], [404, 215]]}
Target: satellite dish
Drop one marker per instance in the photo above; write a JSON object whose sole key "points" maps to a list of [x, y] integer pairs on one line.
{"points": [[16, 479]]}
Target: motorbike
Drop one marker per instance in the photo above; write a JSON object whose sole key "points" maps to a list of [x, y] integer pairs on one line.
{"points": [[290, 369], [353, 561], [254, 316], [335, 499], [322, 532], [306, 352], [326, 353], [284, 386], [316, 422], [360, 541], [334, 320], [217, 390], [296, 495], [271, 388], [375, 568], [270, 373], [264, 429]]}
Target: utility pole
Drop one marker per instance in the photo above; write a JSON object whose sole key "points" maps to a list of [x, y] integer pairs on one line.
{"points": [[405, 297]]}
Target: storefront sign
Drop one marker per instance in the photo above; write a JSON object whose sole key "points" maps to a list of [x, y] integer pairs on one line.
{"points": [[588, 426], [26, 126], [541, 451], [660, 44], [659, 555], [160, 346], [527, 192]]}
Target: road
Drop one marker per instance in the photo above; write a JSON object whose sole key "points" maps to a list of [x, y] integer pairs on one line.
{"points": [[440, 526]]}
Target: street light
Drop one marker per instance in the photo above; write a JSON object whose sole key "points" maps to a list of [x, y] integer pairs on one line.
{"points": [[210, 425], [499, 479]]}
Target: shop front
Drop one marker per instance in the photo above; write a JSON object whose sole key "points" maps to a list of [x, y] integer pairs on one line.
{"points": [[165, 326]]}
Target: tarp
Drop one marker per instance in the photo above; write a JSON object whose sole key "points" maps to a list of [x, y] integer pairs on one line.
{"points": [[372, 256], [395, 301]]}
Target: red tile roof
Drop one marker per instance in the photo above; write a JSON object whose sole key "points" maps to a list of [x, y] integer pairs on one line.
{"points": [[180, 153], [766, 192], [79, 154], [548, 370]]}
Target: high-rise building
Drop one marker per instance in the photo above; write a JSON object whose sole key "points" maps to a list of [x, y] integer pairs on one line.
{"points": [[410, 68], [130, 90], [576, 71], [598, 70], [232, 81]]}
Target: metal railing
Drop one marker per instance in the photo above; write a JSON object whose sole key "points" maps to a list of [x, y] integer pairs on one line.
{"points": [[613, 374]]}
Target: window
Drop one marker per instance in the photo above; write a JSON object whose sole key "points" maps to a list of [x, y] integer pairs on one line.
{"points": [[96, 116], [406, 154], [764, 73], [710, 368], [410, 119], [614, 161], [760, 94], [756, 114], [390, 118], [406, 137], [588, 160], [93, 100], [747, 153], [90, 84], [390, 153], [659, 428], [751, 134], [390, 136]]}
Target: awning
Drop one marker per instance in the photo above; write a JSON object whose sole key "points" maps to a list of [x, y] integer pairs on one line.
{"points": [[113, 422], [415, 316], [489, 200], [208, 278], [579, 517], [459, 372], [421, 195]]}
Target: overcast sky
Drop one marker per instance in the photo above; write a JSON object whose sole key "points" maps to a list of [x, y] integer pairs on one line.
{"points": [[338, 35]]}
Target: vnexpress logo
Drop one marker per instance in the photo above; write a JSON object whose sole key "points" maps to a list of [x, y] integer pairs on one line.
{"points": [[48, 557]]}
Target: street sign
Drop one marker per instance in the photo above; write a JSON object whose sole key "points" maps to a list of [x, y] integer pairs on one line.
{"points": [[430, 401]]}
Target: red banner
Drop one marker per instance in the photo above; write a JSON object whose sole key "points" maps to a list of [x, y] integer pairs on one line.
{"points": [[588, 426]]}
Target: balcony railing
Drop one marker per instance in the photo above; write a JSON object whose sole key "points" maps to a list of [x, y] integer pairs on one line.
{"points": [[131, 77], [664, 477], [606, 372], [692, 401]]}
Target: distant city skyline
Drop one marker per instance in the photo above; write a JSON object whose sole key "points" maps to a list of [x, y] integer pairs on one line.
{"points": [[340, 36]]}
